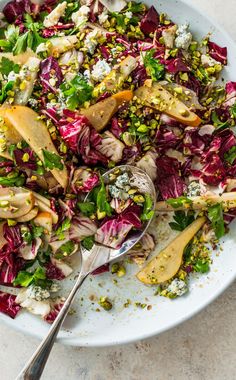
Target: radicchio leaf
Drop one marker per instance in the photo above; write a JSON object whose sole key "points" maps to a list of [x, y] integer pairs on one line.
{"points": [[8, 305], [150, 21], [217, 52], [50, 70]]}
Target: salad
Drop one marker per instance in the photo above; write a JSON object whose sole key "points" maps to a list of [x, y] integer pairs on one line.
{"points": [[85, 87]]}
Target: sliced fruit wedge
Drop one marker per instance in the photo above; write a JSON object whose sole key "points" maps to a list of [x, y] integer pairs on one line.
{"points": [[159, 98], [166, 264], [27, 217], [21, 59], [8, 134], [44, 206], [3, 241], [44, 219], [101, 113], [29, 71], [35, 133], [115, 79], [15, 202]]}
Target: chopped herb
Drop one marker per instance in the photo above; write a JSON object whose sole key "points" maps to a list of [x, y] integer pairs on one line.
{"points": [[87, 208], [63, 227], [182, 220], [38, 277], [220, 126], [4, 91], [32, 233], [13, 179], [230, 156], [65, 250], [135, 7], [233, 111], [88, 242], [153, 67], [215, 214], [52, 160], [103, 206], [202, 266], [178, 202], [6, 66], [11, 35], [76, 92], [148, 212]]}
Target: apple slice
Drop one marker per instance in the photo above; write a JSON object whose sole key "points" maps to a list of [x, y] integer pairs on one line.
{"points": [[15, 202], [44, 219], [44, 205], [27, 217], [159, 98], [35, 133], [115, 79], [167, 263], [101, 113]]}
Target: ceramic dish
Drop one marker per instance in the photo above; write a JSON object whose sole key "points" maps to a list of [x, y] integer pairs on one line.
{"points": [[86, 326]]}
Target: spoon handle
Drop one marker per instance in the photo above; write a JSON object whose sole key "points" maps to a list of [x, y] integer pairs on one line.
{"points": [[34, 368]]}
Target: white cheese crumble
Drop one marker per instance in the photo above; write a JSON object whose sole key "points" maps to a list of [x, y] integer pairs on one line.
{"points": [[208, 61], [184, 38], [81, 17], [177, 287], [128, 15], [37, 293], [53, 17], [102, 18], [91, 40], [195, 189], [100, 70], [122, 180]]}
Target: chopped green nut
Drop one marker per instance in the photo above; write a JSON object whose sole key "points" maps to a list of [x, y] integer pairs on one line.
{"points": [[105, 303]]}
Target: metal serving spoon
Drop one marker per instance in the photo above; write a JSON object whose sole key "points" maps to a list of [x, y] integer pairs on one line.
{"points": [[91, 260]]}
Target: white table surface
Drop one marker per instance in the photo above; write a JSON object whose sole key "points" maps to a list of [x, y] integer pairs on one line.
{"points": [[200, 349]]}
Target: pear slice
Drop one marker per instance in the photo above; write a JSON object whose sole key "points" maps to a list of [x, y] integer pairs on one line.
{"points": [[15, 202], [201, 202], [101, 113], [35, 133], [27, 217], [157, 97], [44, 219], [20, 59], [8, 134], [3, 241], [115, 79], [45, 206], [167, 263]]}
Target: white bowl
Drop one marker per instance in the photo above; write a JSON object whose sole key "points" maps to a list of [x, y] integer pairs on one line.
{"points": [[87, 327]]}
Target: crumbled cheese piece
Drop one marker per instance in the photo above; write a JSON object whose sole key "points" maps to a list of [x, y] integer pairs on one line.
{"points": [[122, 180], [91, 40], [55, 288], [208, 61], [37, 293], [81, 17], [195, 189], [177, 287], [53, 17], [128, 15], [102, 18], [100, 70], [12, 76], [118, 193], [184, 38]]}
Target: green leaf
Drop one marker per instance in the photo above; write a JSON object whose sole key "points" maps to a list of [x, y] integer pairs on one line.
{"points": [[135, 7], [153, 67], [52, 160], [63, 227], [230, 156], [33, 233], [65, 250], [12, 179], [233, 111], [21, 44], [88, 242], [202, 266], [182, 220], [25, 278], [220, 126], [178, 202], [6, 66], [103, 206], [4, 90], [148, 211], [77, 92], [87, 208], [215, 214]]}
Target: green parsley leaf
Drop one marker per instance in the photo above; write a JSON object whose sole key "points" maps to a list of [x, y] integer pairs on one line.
{"points": [[182, 220], [103, 206], [202, 266], [148, 211], [4, 90], [233, 111], [135, 7], [153, 67], [220, 126], [179, 202], [12, 179], [65, 250], [25, 278], [77, 92], [230, 156], [52, 160], [33, 233], [21, 44], [6, 66], [88, 242], [87, 208], [63, 227], [11, 35], [215, 214]]}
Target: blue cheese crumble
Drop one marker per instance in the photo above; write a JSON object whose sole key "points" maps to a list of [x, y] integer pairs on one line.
{"points": [[177, 287], [184, 38], [100, 70]]}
